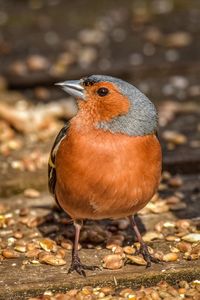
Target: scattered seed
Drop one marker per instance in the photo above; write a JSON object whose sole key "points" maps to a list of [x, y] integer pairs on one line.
{"points": [[31, 193], [9, 253], [21, 249], [183, 284], [171, 200], [136, 259], [113, 243], [87, 290], [11, 241], [192, 237], [182, 291], [175, 181], [158, 207], [170, 257], [61, 253], [172, 238], [51, 259], [159, 226], [169, 224], [87, 56], [196, 249], [152, 235], [18, 235], [91, 36], [33, 253], [32, 246], [183, 224], [174, 249], [123, 224], [37, 63], [48, 245], [107, 290], [113, 262], [24, 211], [154, 295], [42, 93], [126, 292], [174, 137], [3, 209], [72, 293], [164, 295], [158, 255], [153, 35], [196, 282], [117, 250], [35, 262], [178, 206], [18, 68], [166, 175], [67, 244], [129, 250], [177, 39]]}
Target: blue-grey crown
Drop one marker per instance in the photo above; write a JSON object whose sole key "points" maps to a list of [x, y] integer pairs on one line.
{"points": [[141, 118]]}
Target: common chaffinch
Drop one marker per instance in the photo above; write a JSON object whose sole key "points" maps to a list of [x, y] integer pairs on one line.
{"points": [[106, 161]]}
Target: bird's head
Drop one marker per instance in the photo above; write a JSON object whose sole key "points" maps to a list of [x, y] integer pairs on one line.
{"points": [[114, 105]]}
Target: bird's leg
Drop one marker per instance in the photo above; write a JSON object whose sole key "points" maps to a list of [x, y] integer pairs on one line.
{"points": [[76, 264], [143, 247]]}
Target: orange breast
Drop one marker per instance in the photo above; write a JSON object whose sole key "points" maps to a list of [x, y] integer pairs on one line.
{"points": [[104, 175]]}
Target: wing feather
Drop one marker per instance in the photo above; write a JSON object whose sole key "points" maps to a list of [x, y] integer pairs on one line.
{"points": [[51, 164]]}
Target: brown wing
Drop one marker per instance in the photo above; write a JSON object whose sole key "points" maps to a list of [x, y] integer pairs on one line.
{"points": [[52, 158]]}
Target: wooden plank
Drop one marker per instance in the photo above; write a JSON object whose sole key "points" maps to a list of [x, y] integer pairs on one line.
{"points": [[22, 280], [184, 158], [19, 282], [120, 69]]}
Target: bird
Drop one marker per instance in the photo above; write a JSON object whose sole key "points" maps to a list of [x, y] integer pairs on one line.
{"points": [[106, 161]]}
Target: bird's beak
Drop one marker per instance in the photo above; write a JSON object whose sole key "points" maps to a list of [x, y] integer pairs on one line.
{"points": [[73, 88]]}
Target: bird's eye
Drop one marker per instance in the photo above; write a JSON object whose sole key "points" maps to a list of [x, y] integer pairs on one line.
{"points": [[102, 91]]}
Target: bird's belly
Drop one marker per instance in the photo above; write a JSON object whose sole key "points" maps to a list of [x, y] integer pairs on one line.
{"points": [[114, 176]]}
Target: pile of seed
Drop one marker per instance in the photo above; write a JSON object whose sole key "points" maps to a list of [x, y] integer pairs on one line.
{"points": [[184, 290], [182, 237], [20, 237], [23, 230]]}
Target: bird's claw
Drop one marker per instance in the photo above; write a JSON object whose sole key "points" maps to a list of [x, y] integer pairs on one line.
{"points": [[147, 256], [80, 268]]}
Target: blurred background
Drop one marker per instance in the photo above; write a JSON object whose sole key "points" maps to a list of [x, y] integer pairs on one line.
{"points": [[153, 44]]}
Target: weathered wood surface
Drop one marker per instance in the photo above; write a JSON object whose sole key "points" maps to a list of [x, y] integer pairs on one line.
{"points": [[184, 158], [20, 282], [24, 280], [120, 69]]}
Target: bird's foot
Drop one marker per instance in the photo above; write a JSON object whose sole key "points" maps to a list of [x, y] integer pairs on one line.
{"points": [[80, 268], [146, 255]]}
